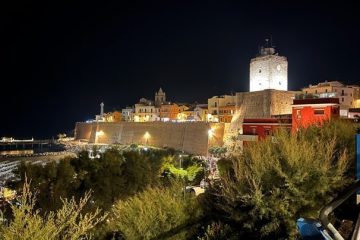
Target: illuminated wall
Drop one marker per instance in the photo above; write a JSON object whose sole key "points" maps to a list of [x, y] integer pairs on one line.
{"points": [[259, 104], [192, 137], [307, 112], [268, 72]]}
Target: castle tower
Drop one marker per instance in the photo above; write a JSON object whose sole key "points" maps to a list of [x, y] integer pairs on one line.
{"points": [[268, 70], [160, 97]]}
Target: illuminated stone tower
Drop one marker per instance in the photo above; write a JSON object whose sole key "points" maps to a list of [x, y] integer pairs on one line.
{"points": [[160, 97], [268, 70]]}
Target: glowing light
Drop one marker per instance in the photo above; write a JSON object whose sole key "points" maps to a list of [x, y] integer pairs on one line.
{"points": [[99, 133], [146, 135], [357, 103], [211, 132]]}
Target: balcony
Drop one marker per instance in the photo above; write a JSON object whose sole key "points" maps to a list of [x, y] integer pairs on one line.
{"points": [[248, 138]]}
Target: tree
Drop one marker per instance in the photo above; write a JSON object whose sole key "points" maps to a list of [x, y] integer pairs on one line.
{"points": [[191, 169], [65, 223], [274, 182], [154, 212], [219, 231]]}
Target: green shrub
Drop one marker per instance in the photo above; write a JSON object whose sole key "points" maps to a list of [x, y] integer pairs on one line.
{"points": [[154, 212], [276, 181]]}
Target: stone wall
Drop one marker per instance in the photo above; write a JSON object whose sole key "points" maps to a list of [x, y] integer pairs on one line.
{"points": [[191, 137], [258, 104], [82, 130], [262, 104]]}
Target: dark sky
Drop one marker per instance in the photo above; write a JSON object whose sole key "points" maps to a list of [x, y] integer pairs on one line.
{"points": [[59, 60]]}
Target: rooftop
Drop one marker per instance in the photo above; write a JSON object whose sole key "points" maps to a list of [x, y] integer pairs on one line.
{"points": [[315, 101]]}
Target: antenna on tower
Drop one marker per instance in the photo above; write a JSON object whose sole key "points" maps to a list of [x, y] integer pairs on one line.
{"points": [[267, 42], [271, 43]]}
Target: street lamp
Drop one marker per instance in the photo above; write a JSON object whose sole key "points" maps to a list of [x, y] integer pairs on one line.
{"points": [[146, 136], [209, 158], [184, 187]]}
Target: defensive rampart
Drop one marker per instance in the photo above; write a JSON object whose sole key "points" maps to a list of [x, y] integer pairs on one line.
{"points": [[191, 137]]}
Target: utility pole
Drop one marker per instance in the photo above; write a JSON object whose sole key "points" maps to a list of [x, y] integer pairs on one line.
{"points": [[183, 180]]}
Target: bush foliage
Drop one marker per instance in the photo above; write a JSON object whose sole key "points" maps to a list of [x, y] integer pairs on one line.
{"points": [[154, 212], [66, 223], [275, 181]]}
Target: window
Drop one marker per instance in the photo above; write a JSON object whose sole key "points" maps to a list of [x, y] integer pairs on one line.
{"points": [[305, 92], [267, 132], [315, 91], [319, 111], [215, 104], [259, 70], [342, 92], [325, 90], [342, 99], [254, 130], [298, 114]]}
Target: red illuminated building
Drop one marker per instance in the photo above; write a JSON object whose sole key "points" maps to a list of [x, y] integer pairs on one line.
{"points": [[306, 112], [258, 128]]}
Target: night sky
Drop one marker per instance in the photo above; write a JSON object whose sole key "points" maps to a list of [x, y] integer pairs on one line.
{"points": [[59, 60]]}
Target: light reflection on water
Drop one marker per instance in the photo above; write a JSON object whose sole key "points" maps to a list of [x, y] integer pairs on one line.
{"points": [[16, 152]]}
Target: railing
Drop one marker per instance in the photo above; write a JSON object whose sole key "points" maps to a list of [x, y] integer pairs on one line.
{"points": [[329, 208]]}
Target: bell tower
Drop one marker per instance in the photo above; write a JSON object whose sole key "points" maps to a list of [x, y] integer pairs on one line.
{"points": [[160, 97]]}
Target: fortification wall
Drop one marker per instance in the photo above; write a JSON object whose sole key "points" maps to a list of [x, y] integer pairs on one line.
{"points": [[83, 130], [258, 104], [190, 137], [262, 104]]}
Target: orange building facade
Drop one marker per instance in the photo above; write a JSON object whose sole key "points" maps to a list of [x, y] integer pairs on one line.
{"points": [[169, 111], [226, 113]]}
